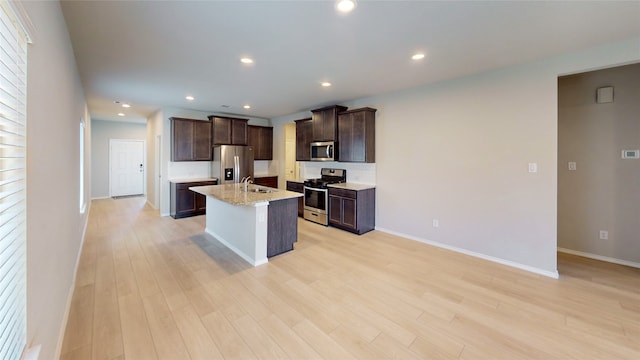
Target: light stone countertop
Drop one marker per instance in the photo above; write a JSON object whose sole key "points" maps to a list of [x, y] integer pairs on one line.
{"points": [[234, 194], [188, 180], [298, 180], [352, 186]]}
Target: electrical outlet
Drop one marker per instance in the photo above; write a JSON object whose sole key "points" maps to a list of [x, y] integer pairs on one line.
{"points": [[572, 166], [533, 167], [604, 235], [436, 223]]}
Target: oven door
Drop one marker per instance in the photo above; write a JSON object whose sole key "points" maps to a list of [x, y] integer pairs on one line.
{"points": [[315, 205], [315, 199]]}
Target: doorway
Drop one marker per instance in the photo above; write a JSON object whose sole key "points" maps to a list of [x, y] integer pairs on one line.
{"points": [[158, 171], [126, 167], [599, 164], [292, 167]]}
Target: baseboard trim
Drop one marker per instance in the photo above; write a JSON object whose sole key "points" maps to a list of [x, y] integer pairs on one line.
{"points": [[535, 270], [100, 197], [600, 257], [65, 317], [151, 204]]}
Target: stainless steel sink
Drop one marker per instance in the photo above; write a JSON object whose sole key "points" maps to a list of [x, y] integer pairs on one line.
{"points": [[260, 190]]}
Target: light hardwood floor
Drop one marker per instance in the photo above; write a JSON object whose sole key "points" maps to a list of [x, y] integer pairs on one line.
{"points": [[150, 287]]}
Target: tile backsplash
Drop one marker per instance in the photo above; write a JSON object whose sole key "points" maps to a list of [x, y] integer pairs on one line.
{"points": [[356, 173]]}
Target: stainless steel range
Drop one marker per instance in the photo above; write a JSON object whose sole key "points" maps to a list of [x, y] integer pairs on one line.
{"points": [[316, 195]]}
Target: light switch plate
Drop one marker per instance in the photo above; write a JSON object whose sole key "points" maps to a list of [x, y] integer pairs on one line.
{"points": [[533, 167], [572, 166]]}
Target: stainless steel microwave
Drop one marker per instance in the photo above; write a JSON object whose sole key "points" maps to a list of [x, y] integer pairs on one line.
{"points": [[323, 151]]}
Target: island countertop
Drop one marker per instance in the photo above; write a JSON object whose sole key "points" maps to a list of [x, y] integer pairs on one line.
{"points": [[234, 194]]}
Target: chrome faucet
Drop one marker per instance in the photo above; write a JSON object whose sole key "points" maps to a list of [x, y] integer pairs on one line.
{"points": [[246, 181]]}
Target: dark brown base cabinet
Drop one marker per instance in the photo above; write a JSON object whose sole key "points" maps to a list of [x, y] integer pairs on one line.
{"points": [[352, 210], [299, 188], [184, 202], [282, 229], [268, 181]]}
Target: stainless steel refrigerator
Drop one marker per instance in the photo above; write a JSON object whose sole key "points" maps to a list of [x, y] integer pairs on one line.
{"points": [[231, 163]]}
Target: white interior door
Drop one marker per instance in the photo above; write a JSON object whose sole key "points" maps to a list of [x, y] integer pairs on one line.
{"points": [[291, 166], [158, 171], [127, 167]]}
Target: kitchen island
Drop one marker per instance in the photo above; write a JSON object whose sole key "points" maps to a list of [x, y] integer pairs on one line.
{"points": [[256, 224]]}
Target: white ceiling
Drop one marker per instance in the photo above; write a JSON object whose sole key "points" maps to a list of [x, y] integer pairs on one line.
{"points": [[153, 53]]}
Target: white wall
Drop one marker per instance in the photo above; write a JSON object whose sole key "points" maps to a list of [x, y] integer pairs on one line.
{"points": [[602, 193], [154, 129], [101, 132], [54, 223], [458, 152]]}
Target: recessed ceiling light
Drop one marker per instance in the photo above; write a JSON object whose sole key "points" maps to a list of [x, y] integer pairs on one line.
{"points": [[247, 106], [225, 106], [418, 56], [325, 84], [125, 105], [189, 98], [246, 60], [120, 114], [345, 6]]}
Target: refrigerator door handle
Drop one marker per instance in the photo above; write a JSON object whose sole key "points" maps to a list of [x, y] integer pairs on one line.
{"points": [[236, 169]]}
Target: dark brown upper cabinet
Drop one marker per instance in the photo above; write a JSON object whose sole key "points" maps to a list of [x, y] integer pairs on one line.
{"points": [[357, 135], [229, 131], [325, 123], [190, 140], [261, 139], [304, 137]]}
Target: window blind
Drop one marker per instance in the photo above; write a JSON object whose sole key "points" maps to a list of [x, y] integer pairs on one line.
{"points": [[13, 173]]}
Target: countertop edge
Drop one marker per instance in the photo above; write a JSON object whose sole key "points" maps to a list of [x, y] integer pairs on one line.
{"points": [[352, 186]]}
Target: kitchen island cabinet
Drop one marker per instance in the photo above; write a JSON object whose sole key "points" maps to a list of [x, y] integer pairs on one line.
{"points": [[255, 224], [184, 202], [352, 209]]}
